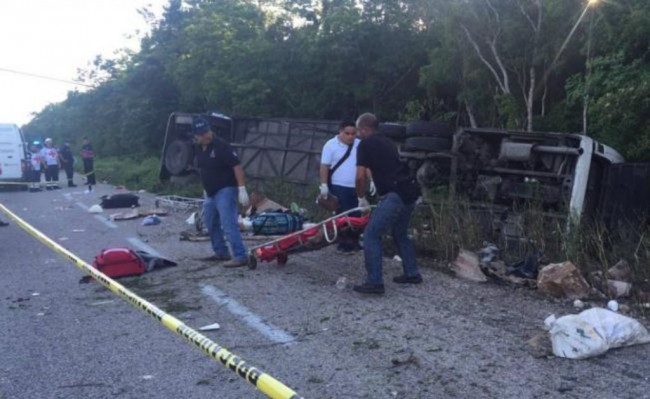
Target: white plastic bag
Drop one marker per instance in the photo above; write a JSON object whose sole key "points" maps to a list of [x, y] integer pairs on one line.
{"points": [[192, 219], [593, 332]]}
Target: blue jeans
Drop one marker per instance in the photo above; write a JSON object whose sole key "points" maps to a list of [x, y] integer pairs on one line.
{"points": [[391, 215], [220, 217], [347, 196]]}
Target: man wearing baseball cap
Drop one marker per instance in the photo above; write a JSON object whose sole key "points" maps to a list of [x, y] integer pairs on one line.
{"points": [[223, 180]]}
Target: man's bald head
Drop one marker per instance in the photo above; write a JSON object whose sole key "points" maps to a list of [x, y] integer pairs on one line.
{"points": [[367, 124]]}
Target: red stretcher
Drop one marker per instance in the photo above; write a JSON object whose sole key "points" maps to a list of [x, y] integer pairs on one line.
{"points": [[312, 238]]}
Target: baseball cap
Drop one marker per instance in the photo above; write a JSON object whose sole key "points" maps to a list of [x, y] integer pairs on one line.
{"points": [[200, 125]]}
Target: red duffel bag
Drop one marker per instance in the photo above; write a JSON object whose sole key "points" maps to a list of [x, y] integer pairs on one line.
{"points": [[119, 262]]}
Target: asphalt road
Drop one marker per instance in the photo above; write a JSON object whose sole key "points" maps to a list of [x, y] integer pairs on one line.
{"points": [[444, 338]]}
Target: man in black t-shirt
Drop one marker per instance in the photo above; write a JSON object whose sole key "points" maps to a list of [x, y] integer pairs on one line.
{"points": [[398, 194], [223, 180]]}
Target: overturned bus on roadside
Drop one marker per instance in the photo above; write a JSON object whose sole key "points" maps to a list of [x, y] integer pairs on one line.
{"points": [[495, 170]]}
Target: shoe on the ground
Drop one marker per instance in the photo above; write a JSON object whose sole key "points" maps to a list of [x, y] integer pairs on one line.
{"points": [[49, 188], [3, 223], [403, 279], [233, 263], [366, 288], [72, 185], [56, 188], [215, 258]]}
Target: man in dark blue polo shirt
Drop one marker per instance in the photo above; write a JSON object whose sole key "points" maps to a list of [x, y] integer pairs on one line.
{"points": [[223, 180], [398, 193]]}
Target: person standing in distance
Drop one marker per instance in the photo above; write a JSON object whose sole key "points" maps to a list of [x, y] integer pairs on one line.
{"points": [[67, 159], [397, 193], [337, 174], [51, 160], [88, 156], [223, 180]]}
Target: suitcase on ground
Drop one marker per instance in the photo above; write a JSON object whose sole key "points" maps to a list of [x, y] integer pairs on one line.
{"points": [[119, 262], [123, 200]]}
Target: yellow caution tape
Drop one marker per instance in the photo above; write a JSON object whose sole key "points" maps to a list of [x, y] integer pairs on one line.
{"points": [[265, 383]]}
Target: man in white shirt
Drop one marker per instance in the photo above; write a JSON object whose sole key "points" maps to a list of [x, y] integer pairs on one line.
{"points": [[337, 174], [51, 160]]}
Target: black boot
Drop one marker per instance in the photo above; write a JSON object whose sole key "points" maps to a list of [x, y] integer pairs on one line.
{"points": [[71, 184]]}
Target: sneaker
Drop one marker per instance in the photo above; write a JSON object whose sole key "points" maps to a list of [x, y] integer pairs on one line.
{"points": [[231, 264], [367, 288], [407, 279], [3, 223], [215, 258], [56, 188], [49, 188]]}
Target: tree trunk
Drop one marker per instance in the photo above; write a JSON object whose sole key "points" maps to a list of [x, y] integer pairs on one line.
{"points": [[470, 114], [530, 100]]}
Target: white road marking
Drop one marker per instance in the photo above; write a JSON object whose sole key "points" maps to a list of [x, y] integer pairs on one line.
{"points": [[254, 321], [144, 247]]}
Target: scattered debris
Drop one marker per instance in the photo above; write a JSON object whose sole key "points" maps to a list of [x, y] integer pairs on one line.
{"points": [[151, 220], [466, 266], [95, 209], [128, 215], [578, 304], [259, 204], [397, 258], [143, 212], [147, 377], [40, 314], [210, 327], [192, 235], [620, 272], [562, 280], [342, 282], [63, 238], [405, 359], [191, 220], [78, 231], [100, 303], [35, 294], [178, 203], [528, 268], [540, 345], [619, 289], [593, 332], [612, 305]]}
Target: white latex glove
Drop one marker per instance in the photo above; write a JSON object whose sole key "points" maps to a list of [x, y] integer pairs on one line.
{"points": [[364, 204], [324, 190], [373, 189], [243, 196]]}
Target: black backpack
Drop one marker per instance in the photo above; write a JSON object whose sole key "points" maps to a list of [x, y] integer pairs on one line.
{"points": [[125, 200]]}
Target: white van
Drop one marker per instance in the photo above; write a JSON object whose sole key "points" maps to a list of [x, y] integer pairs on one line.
{"points": [[13, 153]]}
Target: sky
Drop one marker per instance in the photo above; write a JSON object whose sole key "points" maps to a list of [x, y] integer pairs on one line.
{"points": [[54, 38]]}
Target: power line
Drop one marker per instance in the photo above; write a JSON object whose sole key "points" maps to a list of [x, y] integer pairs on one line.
{"points": [[33, 75]]}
